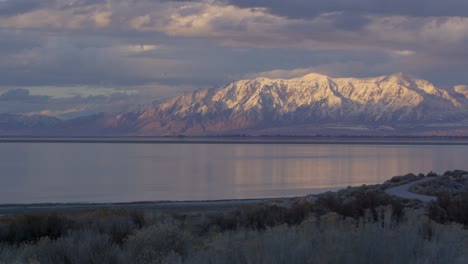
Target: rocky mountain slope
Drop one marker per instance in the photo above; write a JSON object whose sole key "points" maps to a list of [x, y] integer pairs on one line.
{"points": [[389, 102], [309, 105]]}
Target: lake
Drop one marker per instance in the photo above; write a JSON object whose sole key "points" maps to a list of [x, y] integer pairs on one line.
{"points": [[125, 172]]}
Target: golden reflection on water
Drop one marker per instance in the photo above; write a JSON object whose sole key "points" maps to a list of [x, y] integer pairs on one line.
{"points": [[135, 172]]}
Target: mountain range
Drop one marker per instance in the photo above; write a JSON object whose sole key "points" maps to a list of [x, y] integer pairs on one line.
{"points": [[313, 104]]}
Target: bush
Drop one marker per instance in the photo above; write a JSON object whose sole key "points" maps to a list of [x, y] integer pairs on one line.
{"points": [[405, 178], [358, 203], [118, 224], [151, 244], [262, 216], [449, 208], [32, 227], [437, 213], [75, 248], [356, 226], [331, 239]]}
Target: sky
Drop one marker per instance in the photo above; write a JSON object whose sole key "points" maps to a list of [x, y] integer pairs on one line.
{"points": [[75, 57]]}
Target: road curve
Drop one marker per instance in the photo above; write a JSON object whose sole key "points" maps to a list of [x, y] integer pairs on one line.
{"points": [[403, 191]]}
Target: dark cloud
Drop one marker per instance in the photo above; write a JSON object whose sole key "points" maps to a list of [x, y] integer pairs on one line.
{"points": [[77, 3], [21, 100], [14, 7], [22, 95], [350, 21], [194, 44], [71, 60], [16, 94], [308, 8], [13, 41]]}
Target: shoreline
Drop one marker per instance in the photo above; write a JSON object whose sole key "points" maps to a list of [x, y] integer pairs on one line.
{"points": [[312, 140], [163, 206], [397, 186]]}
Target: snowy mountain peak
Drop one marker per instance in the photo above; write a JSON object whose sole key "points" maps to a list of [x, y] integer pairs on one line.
{"points": [[393, 100], [306, 105]]}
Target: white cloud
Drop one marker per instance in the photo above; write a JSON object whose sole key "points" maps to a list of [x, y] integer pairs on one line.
{"points": [[141, 48], [202, 19], [82, 91], [102, 19], [72, 18], [336, 69], [283, 73], [140, 22], [254, 27], [403, 52], [434, 34], [198, 43], [226, 24], [446, 29], [463, 89], [56, 112]]}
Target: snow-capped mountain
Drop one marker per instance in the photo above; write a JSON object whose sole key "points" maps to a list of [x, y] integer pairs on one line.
{"points": [[309, 105], [313, 100]]}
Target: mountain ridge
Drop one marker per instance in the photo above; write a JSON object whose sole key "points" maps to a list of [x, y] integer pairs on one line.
{"points": [[310, 99], [311, 104]]}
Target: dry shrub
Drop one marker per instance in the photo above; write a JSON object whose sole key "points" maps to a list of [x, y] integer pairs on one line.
{"points": [[151, 244]]}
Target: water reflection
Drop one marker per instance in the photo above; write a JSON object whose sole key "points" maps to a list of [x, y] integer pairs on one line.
{"points": [[134, 172]]}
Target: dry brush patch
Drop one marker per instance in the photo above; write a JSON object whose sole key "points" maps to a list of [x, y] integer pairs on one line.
{"points": [[355, 225]]}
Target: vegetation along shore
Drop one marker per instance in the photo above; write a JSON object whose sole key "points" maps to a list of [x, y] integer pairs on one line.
{"points": [[365, 224]]}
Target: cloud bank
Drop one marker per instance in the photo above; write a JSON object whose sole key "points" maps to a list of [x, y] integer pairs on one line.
{"points": [[166, 45]]}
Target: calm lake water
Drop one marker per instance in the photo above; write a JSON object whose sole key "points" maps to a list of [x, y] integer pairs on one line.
{"points": [[75, 172]]}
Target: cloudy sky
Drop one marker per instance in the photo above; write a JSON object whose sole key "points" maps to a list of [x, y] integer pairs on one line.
{"points": [[74, 57]]}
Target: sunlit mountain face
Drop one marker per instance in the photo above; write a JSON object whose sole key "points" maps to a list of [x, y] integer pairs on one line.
{"points": [[313, 104]]}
